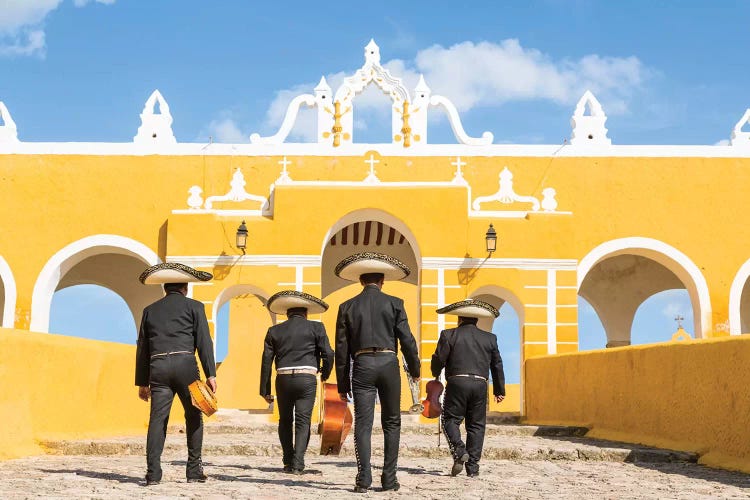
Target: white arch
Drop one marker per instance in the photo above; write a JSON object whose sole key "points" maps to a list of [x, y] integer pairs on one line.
{"points": [[9, 285], [735, 299], [233, 291], [666, 255], [64, 260], [502, 293]]}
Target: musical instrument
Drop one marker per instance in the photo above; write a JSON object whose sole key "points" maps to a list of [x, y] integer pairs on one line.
{"points": [[432, 406], [416, 406], [203, 397], [336, 420]]}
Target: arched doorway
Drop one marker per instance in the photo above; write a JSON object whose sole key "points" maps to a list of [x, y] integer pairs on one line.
{"points": [[7, 295], [508, 329], [375, 231], [618, 276], [739, 301], [109, 261], [247, 322]]}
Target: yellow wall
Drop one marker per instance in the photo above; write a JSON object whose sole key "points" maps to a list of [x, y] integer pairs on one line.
{"points": [[687, 396], [59, 387]]}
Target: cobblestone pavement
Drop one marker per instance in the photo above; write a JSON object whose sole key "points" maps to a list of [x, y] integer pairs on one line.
{"points": [[114, 477]]}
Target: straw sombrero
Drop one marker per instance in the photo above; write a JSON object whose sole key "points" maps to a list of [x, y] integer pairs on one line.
{"points": [[358, 264], [172, 272], [470, 308], [280, 302]]}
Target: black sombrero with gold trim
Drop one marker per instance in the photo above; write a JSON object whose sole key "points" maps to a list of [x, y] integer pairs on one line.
{"points": [[172, 272], [358, 264], [470, 308], [280, 302]]}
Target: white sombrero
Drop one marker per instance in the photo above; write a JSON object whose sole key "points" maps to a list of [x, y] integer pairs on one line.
{"points": [[470, 308], [358, 264], [280, 302], [172, 272]]}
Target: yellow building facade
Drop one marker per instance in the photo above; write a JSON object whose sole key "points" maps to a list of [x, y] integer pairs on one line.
{"points": [[613, 224]]}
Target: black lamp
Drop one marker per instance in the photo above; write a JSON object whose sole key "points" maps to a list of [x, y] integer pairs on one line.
{"points": [[242, 237], [490, 239]]}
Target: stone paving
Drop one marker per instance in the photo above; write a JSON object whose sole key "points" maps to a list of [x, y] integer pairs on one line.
{"points": [[242, 460]]}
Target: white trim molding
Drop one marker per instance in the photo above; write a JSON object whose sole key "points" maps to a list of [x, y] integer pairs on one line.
{"points": [[9, 287], [668, 256], [455, 263], [246, 260], [66, 258], [735, 298]]}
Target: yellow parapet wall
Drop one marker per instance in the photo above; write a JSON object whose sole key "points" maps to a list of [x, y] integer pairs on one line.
{"points": [[687, 396], [59, 387]]}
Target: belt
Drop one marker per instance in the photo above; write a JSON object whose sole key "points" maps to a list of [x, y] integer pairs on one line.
{"points": [[373, 350], [169, 353], [469, 375], [294, 371]]}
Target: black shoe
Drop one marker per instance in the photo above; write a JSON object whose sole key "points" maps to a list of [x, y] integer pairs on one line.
{"points": [[472, 474], [298, 472], [360, 489], [288, 469], [394, 487], [458, 464], [197, 479], [152, 482]]}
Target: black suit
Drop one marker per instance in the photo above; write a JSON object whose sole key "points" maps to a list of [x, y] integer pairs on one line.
{"points": [[373, 319], [173, 324], [467, 350], [297, 342]]}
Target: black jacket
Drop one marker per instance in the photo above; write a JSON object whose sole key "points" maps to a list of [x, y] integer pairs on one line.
{"points": [[295, 342], [469, 350], [173, 323], [372, 319]]}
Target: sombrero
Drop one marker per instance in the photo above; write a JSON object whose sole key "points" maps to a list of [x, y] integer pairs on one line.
{"points": [[172, 272], [470, 308], [358, 264], [287, 299]]}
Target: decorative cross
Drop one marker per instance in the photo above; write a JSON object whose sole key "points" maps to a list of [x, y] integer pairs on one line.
{"points": [[371, 176], [679, 319], [458, 178], [284, 164], [284, 177]]}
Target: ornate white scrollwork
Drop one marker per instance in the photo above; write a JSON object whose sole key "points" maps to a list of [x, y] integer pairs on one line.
{"points": [[156, 128], [458, 128], [8, 130], [289, 119], [739, 136], [237, 193], [506, 195]]}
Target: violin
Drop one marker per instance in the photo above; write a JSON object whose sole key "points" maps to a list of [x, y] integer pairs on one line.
{"points": [[336, 420], [432, 406]]}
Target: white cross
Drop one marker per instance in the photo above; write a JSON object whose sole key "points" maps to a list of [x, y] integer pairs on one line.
{"points": [[458, 178], [372, 161], [284, 163], [458, 163]]}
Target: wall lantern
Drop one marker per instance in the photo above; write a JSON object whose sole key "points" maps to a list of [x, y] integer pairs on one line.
{"points": [[242, 237], [490, 238]]}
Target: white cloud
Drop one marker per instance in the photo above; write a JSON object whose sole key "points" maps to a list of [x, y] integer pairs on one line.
{"points": [[226, 130], [723, 142], [673, 309], [22, 25], [488, 74]]}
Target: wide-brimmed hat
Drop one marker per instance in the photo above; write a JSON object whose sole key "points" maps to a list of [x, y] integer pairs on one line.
{"points": [[470, 308], [358, 264], [172, 272], [280, 302]]}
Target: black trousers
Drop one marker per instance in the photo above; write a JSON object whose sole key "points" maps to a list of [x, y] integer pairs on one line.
{"points": [[376, 373], [295, 394], [171, 375], [465, 398]]}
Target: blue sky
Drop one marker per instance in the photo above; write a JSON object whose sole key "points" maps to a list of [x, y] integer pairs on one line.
{"points": [[665, 73]]}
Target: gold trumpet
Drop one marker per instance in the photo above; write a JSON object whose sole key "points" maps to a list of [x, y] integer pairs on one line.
{"points": [[416, 406]]}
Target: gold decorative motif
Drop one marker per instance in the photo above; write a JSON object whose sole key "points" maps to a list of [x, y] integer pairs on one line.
{"points": [[406, 134], [337, 128]]}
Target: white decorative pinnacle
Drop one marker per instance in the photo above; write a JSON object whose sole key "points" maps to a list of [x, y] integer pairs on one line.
{"points": [[195, 200], [8, 130], [588, 129], [237, 193], [372, 53], [506, 195], [740, 137], [156, 128]]}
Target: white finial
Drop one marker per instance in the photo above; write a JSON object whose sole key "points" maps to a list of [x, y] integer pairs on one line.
{"points": [[322, 85], [8, 130], [589, 129], [421, 85], [155, 128], [372, 53]]}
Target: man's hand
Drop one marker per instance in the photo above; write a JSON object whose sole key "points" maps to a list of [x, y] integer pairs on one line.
{"points": [[211, 382], [345, 396], [499, 399], [416, 380], [144, 392], [269, 398]]}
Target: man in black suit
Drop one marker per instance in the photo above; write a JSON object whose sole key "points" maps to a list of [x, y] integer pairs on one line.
{"points": [[369, 328], [468, 355], [299, 347], [172, 329]]}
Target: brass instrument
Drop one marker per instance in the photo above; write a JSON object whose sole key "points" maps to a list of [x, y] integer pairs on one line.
{"points": [[416, 406]]}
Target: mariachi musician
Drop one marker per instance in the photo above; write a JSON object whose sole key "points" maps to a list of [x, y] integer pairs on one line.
{"points": [[301, 349], [468, 355], [369, 328], [172, 329]]}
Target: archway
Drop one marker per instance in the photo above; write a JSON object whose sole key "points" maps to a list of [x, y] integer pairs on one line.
{"points": [[247, 323], [618, 276], [111, 261], [7, 295], [739, 301], [508, 329]]}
